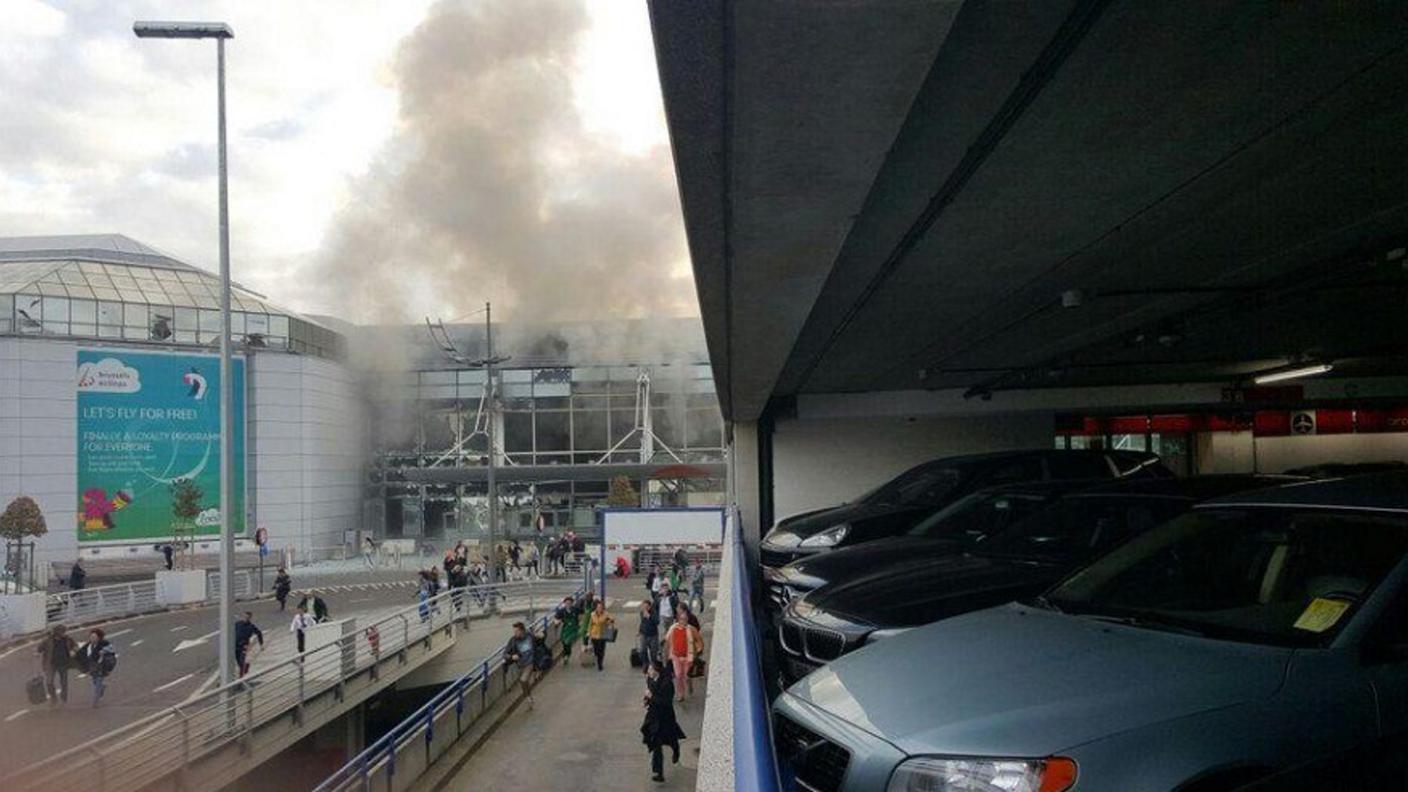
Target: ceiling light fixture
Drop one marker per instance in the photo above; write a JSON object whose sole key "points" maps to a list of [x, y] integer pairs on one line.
{"points": [[1292, 373]]}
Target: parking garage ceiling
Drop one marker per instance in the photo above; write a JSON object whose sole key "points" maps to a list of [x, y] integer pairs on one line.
{"points": [[888, 194]]}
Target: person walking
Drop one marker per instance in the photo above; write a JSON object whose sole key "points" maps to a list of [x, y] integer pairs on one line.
{"points": [[660, 727], [99, 659], [667, 604], [649, 635], [282, 585], [601, 630], [169, 553], [246, 633], [77, 575], [301, 622], [652, 580], [681, 641], [313, 603], [369, 552], [56, 653], [531, 560], [568, 615], [696, 587], [519, 651]]}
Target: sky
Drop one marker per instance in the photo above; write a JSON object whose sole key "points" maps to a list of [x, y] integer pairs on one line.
{"points": [[388, 160]]}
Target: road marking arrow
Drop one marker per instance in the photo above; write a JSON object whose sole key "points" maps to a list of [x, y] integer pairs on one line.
{"points": [[187, 644]]}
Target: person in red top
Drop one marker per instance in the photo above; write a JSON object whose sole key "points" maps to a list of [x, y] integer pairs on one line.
{"points": [[680, 643]]}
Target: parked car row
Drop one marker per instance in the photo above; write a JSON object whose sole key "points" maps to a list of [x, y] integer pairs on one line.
{"points": [[1150, 633]]}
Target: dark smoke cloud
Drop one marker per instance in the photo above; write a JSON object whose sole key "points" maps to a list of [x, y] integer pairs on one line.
{"points": [[493, 189]]}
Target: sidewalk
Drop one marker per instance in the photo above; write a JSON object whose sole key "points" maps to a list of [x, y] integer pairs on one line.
{"points": [[584, 732]]}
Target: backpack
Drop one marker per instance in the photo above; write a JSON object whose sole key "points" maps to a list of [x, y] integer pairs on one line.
{"points": [[107, 661]]}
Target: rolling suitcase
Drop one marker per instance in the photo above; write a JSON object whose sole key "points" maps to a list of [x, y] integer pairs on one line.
{"points": [[635, 658], [34, 688]]}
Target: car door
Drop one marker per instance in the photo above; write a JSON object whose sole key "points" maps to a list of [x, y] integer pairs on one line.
{"points": [[1385, 658]]}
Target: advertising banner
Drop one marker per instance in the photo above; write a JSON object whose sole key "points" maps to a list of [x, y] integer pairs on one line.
{"points": [[149, 434]]}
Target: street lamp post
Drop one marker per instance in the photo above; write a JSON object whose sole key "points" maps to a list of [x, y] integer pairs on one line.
{"points": [[218, 31]]}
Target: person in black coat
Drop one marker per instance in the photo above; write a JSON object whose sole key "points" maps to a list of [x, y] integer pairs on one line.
{"points": [[660, 727], [282, 585], [77, 575]]}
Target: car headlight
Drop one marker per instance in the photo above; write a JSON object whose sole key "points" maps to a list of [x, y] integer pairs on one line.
{"points": [[829, 538], [783, 539], [880, 635], [977, 774]]}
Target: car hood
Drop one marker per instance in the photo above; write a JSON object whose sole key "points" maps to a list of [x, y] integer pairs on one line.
{"points": [[1016, 681], [889, 555], [811, 522], [920, 593]]}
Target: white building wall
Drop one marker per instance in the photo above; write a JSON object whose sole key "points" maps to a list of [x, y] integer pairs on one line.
{"points": [[823, 461], [307, 430], [1279, 454], [304, 439], [39, 437]]}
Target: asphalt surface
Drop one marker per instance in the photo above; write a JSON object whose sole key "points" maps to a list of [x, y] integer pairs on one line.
{"points": [[591, 722], [163, 659]]}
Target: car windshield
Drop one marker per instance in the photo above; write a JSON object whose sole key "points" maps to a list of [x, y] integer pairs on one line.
{"points": [[927, 484], [981, 515], [1079, 527], [1283, 576]]}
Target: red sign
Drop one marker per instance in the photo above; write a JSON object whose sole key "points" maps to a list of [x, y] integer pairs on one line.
{"points": [[1334, 422], [1271, 423], [1392, 419]]}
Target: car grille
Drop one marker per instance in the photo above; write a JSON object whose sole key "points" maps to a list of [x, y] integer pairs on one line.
{"points": [[824, 645], [819, 764], [777, 558], [791, 636]]}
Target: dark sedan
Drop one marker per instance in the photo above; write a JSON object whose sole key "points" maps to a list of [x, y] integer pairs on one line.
{"points": [[897, 505], [1018, 563], [952, 530]]}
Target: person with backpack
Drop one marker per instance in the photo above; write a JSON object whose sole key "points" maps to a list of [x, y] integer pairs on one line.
{"points": [[56, 653], [660, 727], [519, 651], [282, 585], [682, 641], [99, 659], [568, 615]]}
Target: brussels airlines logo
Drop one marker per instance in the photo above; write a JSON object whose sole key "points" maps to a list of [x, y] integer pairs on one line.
{"points": [[196, 382], [108, 375]]}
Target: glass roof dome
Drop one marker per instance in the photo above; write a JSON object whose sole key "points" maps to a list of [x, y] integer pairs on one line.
{"points": [[110, 286]]}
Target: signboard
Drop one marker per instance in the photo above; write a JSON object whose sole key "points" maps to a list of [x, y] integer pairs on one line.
{"points": [[704, 525], [146, 421]]}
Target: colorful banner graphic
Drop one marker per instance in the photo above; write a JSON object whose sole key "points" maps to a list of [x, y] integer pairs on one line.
{"points": [[146, 421]]}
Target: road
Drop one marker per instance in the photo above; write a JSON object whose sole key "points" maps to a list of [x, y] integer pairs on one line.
{"points": [[163, 659]]}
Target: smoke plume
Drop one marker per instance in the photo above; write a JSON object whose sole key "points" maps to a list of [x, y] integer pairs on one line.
{"points": [[493, 189]]}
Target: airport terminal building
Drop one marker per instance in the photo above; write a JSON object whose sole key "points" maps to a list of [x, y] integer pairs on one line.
{"points": [[109, 347]]}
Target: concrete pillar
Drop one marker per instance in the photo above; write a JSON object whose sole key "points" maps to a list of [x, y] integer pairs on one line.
{"points": [[745, 482]]}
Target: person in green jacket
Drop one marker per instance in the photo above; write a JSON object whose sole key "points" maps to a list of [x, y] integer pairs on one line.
{"points": [[568, 616]]}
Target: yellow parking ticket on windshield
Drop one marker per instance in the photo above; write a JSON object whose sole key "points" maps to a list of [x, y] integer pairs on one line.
{"points": [[1321, 614]]}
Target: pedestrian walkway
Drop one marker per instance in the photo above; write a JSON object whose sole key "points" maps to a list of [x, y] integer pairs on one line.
{"points": [[583, 733]]}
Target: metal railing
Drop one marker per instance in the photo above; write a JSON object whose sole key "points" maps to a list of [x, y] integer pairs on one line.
{"points": [[144, 752], [245, 585], [416, 742], [101, 602]]}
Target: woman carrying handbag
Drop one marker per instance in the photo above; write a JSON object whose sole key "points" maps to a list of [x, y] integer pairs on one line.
{"points": [[601, 630]]}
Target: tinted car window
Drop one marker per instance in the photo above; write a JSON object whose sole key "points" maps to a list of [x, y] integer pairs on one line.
{"points": [[980, 515], [927, 484], [1282, 576], [1015, 472], [1078, 466], [1076, 528]]}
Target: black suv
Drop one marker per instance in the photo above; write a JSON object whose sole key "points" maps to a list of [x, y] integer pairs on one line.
{"points": [[895, 506], [1017, 563]]}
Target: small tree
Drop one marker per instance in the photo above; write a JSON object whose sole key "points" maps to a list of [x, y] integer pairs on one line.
{"points": [[22, 519], [185, 508], [623, 494]]}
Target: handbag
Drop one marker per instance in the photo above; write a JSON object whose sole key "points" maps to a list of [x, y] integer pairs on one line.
{"points": [[608, 634], [696, 669]]}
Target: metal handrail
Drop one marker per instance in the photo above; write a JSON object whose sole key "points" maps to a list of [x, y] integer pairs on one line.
{"points": [[101, 602], [143, 752]]}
